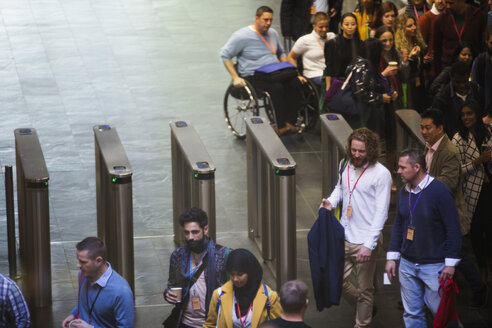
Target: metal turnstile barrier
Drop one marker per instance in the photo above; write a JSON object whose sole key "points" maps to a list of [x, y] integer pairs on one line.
{"points": [[334, 134], [193, 177], [114, 201], [271, 197], [34, 217], [408, 130]]}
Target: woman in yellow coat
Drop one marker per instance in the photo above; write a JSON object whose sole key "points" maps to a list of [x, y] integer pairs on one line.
{"points": [[244, 301]]}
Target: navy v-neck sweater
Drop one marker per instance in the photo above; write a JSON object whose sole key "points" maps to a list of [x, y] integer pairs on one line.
{"points": [[437, 232]]}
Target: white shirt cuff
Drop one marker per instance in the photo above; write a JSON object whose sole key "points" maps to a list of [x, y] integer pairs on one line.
{"points": [[332, 202], [371, 245], [451, 262], [392, 256]]}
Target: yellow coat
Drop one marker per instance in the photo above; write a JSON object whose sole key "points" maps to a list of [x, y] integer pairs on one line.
{"points": [[226, 300], [362, 22]]}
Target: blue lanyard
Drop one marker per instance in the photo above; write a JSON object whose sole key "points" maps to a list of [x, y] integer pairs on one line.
{"points": [[415, 205], [198, 263]]}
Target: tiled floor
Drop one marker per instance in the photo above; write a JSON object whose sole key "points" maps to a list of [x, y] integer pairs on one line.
{"points": [[137, 64]]}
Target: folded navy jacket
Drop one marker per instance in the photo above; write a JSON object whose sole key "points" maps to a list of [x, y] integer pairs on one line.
{"points": [[326, 245]]}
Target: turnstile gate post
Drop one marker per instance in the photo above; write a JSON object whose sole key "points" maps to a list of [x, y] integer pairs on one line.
{"points": [[114, 201], [34, 217]]}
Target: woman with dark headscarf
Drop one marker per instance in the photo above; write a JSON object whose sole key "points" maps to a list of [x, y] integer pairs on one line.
{"points": [[244, 301]]}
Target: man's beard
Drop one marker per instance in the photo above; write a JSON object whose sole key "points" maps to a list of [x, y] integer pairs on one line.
{"points": [[197, 246]]}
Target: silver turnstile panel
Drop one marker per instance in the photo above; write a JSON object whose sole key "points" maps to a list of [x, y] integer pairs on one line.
{"points": [[34, 217], [114, 201], [193, 177], [334, 134], [271, 197]]}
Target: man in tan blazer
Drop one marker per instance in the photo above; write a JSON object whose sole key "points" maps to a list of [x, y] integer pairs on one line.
{"points": [[443, 162]]}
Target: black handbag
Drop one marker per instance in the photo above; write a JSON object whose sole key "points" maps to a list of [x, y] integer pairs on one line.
{"points": [[174, 319], [343, 101]]}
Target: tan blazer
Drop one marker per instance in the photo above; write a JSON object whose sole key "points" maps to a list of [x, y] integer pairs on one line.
{"points": [[446, 167], [226, 308]]}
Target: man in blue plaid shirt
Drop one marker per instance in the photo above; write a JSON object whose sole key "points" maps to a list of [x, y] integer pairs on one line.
{"points": [[13, 308]]}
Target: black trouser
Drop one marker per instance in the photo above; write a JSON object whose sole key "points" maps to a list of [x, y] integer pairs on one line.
{"points": [[481, 227], [286, 97], [468, 268]]}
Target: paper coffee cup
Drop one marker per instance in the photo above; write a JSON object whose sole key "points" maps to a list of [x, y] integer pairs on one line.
{"points": [[393, 63], [179, 293]]}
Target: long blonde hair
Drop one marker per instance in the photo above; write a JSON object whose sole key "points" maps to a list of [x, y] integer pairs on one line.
{"points": [[401, 40]]}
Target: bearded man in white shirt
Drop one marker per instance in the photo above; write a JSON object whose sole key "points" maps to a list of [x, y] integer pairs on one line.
{"points": [[364, 187]]}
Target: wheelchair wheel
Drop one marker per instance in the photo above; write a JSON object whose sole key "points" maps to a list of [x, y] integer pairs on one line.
{"points": [[239, 103], [268, 107], [309, 113]]}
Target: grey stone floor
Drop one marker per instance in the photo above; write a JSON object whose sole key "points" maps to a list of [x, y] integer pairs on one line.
{"points": [[137, 64]]}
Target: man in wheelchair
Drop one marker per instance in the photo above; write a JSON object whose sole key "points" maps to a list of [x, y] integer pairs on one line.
{"points": [[255, 47]]}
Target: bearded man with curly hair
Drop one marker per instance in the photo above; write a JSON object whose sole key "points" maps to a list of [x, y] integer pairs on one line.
{"points": [[364, 187]]}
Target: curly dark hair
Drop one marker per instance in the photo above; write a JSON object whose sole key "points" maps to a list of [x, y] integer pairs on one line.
{"points": [[370, 139], [194, 214]]}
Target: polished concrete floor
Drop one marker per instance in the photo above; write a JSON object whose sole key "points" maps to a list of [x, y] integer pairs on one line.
{"points": [[67, 65]]}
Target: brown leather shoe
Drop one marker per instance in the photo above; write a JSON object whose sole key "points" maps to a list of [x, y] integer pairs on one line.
{"points": [[291, 128]]}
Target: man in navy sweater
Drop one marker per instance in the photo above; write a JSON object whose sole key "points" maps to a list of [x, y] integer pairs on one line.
{"points": [[426, 236], [105, 298]]}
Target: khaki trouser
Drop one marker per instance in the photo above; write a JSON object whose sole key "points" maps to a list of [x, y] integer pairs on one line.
{"points": [[362, 296]]}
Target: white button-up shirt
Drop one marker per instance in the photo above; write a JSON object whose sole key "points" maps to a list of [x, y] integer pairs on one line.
{"points": [[370, 202]]}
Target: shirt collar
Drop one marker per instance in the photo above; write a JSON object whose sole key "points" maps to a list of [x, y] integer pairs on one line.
{"points": [[434, 147], [358, 168], [103, 280], [421, 186]]}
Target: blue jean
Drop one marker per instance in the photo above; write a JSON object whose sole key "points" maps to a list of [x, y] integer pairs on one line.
{"points": [[419, 285]]}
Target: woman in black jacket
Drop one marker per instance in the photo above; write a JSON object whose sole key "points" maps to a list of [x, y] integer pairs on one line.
{"points": [[368, 85], [340, 51]]}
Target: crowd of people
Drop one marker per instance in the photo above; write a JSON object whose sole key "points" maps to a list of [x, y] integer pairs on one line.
{"points": [[434, 58], [431, 57]]}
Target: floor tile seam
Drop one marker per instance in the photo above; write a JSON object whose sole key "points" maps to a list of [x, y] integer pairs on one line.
{"points": [[51, 66], [149, 61], [153, 305], [311, 146], [306, 202], [95, 93], [305, 152], [44, 49], [160, 236], [16, 70]]}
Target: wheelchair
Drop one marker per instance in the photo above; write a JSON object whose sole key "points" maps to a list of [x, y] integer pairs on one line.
{"points": [[244, 102]]}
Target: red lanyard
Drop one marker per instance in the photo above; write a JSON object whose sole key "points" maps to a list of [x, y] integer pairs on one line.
{"points": [[456, 27], [348, 181], [415, 11], [270, 46], [239, 312], [78, 297]]}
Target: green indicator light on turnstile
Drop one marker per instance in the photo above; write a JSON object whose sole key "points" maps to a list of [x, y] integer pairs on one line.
{"points": [[196, 175], [114, 179], [277, 171], [46, 183]]}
